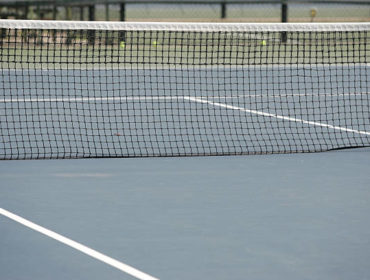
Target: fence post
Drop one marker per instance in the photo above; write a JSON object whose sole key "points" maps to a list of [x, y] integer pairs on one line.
{"points": [[55, 10], [284, 18], [122, 11], [223, 10], [81, 12], [91, 33], [122, 17]]}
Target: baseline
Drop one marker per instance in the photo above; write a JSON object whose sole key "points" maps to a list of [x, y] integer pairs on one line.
{"points": [[79, 247]]}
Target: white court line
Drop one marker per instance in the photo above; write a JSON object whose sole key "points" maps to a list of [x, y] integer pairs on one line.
{"points": [[88, 99], [284, 95], [260, 113], [78, 246], [153, 98], [190, 98]]}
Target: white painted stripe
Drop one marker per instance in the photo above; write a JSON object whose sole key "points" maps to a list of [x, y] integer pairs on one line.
{"points": [[260, 113], [178, 98], [78, 246], [92, 99], [326, 95]]}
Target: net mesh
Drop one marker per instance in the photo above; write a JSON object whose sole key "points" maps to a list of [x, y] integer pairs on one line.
{"points": [[85, 89]]}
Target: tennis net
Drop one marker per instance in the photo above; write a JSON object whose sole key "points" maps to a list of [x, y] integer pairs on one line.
{"points": [[99, 89]]}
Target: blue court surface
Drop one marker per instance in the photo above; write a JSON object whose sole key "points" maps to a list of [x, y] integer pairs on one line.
{"points": [[296, 216]]}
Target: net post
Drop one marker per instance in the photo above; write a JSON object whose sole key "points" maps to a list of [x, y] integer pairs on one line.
{"points": [[284, 18]]}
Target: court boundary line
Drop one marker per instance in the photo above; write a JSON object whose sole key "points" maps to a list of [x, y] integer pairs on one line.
{"points": [[264, 114], [79, 247]]}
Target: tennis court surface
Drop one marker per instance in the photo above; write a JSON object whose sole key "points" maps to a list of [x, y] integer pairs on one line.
{"points": [[297, 216], [135, 110]]}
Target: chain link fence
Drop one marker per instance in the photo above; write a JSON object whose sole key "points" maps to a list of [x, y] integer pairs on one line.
{"points": [[185, 10]]}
